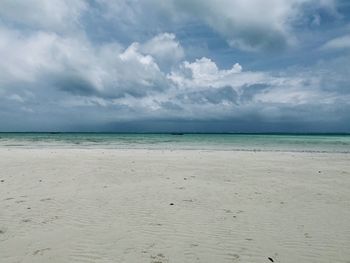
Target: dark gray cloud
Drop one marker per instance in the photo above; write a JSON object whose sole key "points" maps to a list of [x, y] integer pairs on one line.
{"points": [[250, 91], [74, 84]]}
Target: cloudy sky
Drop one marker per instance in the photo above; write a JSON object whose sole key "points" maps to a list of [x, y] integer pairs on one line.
{"points": [[175, 65]]}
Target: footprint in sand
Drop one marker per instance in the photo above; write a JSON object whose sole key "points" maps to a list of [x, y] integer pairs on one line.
{"points": [[159, 258], [45, 199], [307, 235], [41, 251], [234, 257]]}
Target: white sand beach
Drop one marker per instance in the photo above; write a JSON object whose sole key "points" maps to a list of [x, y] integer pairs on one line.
{"points": [[94, 205]]}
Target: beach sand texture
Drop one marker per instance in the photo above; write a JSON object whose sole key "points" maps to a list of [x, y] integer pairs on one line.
{"points": [[94, 205]]}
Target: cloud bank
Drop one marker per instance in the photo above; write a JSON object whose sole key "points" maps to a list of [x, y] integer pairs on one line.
{"points": [[70, 65]]}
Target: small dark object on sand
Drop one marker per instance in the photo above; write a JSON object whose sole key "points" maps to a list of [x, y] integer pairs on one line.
{"points": [[171, 203], [271, 259], [28, 208], [319, 172], [2, 181]]}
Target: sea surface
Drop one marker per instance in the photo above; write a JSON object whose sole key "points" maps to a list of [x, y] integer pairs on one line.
{"points": [[234, 142]]}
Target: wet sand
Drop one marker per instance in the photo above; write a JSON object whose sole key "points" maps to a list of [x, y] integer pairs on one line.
{"points": [[90, 205]]}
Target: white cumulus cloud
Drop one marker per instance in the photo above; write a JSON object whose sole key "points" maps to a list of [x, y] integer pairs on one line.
{"points": [[164, 48]]}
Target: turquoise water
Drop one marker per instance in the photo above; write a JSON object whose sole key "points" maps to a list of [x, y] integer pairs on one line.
{"points": [[238, 142]]}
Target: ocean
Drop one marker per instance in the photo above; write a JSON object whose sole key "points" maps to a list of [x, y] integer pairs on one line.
{"points": [[231, 142]]}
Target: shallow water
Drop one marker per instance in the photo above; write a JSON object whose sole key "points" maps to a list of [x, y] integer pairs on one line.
{"points": [[238, 142]]}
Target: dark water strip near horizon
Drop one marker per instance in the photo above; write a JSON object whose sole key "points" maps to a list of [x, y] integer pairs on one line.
{"points": [[337, 143]]}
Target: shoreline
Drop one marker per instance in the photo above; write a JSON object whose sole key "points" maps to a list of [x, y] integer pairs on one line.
{"points": [[99, 148]]}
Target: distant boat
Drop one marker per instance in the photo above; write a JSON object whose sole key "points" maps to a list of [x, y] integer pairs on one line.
{"points": [[177, 133]]}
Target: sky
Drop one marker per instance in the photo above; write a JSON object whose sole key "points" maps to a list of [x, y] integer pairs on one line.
{"points": [[175, 65]]}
